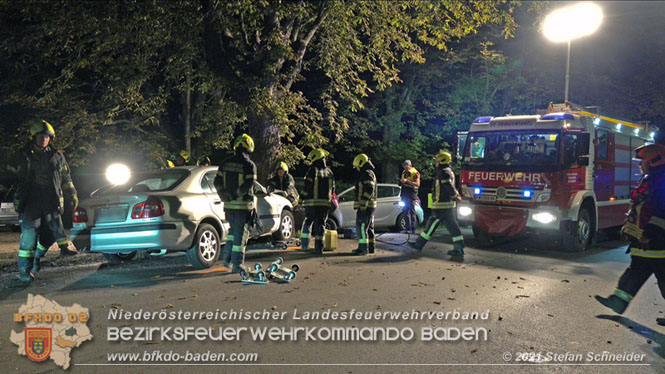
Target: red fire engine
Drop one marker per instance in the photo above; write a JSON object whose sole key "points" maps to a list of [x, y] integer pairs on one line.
{"points": [[567, 172]]}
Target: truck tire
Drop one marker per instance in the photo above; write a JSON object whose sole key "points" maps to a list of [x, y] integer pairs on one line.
{"points": [[119, 258], [206, 249], [483, 238], [576, 236]]}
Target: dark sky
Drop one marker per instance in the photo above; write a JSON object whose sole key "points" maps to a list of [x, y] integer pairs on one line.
{"points": [[623, 59]]}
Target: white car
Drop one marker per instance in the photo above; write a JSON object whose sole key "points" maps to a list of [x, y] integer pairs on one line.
{"points": [[176, 209], [388, 213]]}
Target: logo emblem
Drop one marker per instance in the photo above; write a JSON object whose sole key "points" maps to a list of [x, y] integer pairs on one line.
{"points": [[501, 193], [38, 343]]}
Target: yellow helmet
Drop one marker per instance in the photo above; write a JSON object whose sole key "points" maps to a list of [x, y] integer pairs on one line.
{"points": [[42, 126], [170, 164], [185, 155], [283, 166], [360, 160], [244, 141], [444, 157], [316, 154]]}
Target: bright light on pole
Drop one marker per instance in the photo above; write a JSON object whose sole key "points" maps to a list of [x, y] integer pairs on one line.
{"points": [[572, 22], [117, 174]]}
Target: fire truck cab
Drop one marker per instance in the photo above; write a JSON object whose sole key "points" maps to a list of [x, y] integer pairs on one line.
{"points": [[566, 172]]}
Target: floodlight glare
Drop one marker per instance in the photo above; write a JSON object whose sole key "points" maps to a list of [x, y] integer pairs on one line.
{"points": [[572, 22], [117, 174]]}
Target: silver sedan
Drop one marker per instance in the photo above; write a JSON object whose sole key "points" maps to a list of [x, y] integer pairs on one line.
{"points": [[176, 209]]}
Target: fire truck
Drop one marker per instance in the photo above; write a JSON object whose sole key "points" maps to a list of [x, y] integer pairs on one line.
{"points": [[566, 171]]}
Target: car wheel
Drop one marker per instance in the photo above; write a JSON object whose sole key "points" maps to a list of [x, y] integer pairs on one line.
{"points": [[206, 248], [119, 258], [331, 224], [400, 224], [576, 237], [286, 226]]}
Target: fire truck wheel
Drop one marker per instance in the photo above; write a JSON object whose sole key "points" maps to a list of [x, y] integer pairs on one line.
{"points": [[483, 238], [577, 236]]}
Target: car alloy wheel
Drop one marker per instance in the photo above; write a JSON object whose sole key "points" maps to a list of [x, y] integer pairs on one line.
{"points": [[208, 246]]}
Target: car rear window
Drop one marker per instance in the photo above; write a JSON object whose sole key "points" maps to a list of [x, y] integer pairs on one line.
{"points": [[153, 181]]}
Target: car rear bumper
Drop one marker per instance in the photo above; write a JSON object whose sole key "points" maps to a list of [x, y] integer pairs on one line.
{"points": [[138, 237]]}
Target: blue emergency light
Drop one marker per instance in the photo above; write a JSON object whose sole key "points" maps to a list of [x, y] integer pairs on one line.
{"points": [[527, 194], [476, 191], [596, 121], [558, 116], [485, 119]]}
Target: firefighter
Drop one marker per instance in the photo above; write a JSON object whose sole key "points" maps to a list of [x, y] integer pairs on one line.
{"points": [[317, 198], [410, 182], [235, 186], [203, 161], [365, 204], [182, 158], [283, 183], [444, 199], [44, 191], [645, 227]]}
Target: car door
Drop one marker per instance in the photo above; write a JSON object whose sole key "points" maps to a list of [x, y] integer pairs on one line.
{"points": [[209, 190], [346, 207], [388, 207]]}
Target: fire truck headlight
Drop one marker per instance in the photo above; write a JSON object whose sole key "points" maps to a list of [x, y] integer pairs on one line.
{"points": [[543, 197], [464, 211], [544, 217]]}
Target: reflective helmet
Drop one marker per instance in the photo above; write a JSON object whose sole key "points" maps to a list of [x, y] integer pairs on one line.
{"points": [[170, 164], [42, 126], [316, 154], [283, 166], [360, 160], [184, 154], [244, 141], [654, 154], [444, 157], [203, 160]]}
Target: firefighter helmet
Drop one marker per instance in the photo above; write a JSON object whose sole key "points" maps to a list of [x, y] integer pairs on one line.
{"points": [[283, 166], [203, 161], [360, 160], [185, 155], [42, 126], [316, 154], [244, 141], [654, 154], [444, 157]]}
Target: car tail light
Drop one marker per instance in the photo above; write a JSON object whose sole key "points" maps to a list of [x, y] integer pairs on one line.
{"points": [[335, 200], [80, 216], [148, 209]]}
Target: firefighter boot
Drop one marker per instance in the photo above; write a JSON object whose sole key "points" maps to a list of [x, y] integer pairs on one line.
{"points": [[371, 247], [24, 268], [36, 265], [226, 255], [361, 250], [318, 246], [304, 243], [419, 244], [613, 302], [237, 260], [65, 251]]}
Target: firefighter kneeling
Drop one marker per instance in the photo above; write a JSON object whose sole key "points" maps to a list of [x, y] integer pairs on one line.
{"points": [[645, 226], [444, 200], [365, 204]]}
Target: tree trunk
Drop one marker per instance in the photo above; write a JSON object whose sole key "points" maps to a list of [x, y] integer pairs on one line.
{"points": [[266, 145], [187, 115]]}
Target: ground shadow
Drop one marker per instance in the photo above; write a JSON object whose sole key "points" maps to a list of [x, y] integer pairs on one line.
{"points": [[641, 330]]}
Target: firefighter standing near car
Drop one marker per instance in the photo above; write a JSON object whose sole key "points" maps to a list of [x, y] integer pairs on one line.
{"points": [[317, 198], [365, 204], [235, 186], [645, 227], [410, 182], [44, 191], [283, 182], [444, 200]]}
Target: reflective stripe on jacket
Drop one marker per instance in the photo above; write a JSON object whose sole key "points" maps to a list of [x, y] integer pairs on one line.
{"points": [[235, 182], [444, 194], [319, 187], [365, 190]]}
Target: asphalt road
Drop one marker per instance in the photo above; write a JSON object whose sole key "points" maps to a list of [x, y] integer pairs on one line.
{"points": [[540, 302]]}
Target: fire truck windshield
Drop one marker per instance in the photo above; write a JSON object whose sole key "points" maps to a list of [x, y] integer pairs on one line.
{"points": [[506, 149]]}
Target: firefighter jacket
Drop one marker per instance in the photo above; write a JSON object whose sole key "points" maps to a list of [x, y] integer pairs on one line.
{"points": [[319, 185], [645, 222], [286, 184], [46, 174], [444, 194], [407, 189], [235, 182], [365, 189]]}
